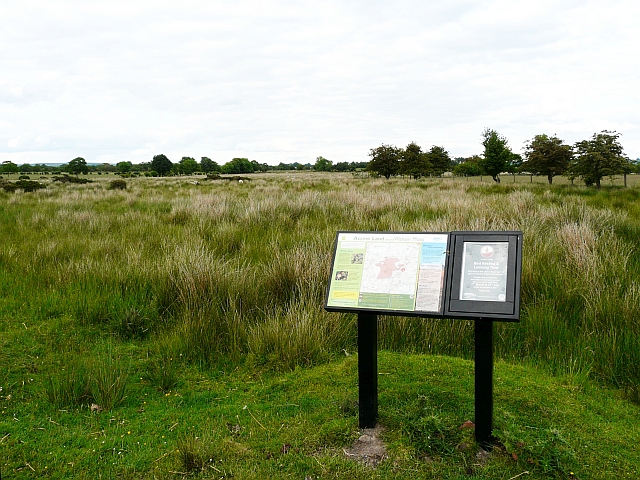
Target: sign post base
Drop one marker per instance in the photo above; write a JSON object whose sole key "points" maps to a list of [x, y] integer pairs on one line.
{"points": [[484, 381], [367, 369]]}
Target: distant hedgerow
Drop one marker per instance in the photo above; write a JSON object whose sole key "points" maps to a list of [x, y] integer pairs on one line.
{"points": [[70, 179], [25, 185]]}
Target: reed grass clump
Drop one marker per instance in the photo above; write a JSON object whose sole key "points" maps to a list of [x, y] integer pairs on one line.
{"points": [[108, 380], [162, 371], [70, 386], [99, 379], [195, 454]]}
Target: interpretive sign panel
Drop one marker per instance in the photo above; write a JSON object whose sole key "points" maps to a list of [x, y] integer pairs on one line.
{"points": [[484, 271], [468, 275], [483, 278], [388, 272]]}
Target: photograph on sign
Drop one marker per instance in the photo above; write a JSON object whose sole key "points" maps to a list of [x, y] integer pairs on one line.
{"points": [[388, 271], [484, 271]]}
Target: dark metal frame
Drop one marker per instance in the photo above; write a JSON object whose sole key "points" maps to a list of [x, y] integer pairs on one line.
{"points": [[507, 311]]}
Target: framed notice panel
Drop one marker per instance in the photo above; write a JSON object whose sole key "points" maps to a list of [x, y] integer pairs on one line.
{"points": [[395, 273], [468, 275], [483, 280]]}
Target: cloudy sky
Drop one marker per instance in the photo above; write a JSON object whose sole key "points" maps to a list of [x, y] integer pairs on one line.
{"points": [[285, 81]]}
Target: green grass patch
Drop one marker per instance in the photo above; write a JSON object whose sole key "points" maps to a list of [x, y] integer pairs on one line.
{"points": [[250, 423]]}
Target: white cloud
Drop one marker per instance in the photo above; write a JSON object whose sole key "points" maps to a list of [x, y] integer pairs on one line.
{"points": [[288, 81]]}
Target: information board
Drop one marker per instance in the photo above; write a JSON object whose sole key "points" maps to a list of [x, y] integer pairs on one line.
{"points": [[393, 272], [467, 275], [484, 271], [483, 279]]}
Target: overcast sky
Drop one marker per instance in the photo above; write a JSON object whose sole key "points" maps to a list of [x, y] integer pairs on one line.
{"points": [[286, 81]]}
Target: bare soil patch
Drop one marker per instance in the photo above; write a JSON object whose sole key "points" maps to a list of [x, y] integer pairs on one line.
{"points": [[369, 449]]}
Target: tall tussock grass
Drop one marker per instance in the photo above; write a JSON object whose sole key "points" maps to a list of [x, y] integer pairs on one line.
{"points": [[100, 380], [240, 270]]}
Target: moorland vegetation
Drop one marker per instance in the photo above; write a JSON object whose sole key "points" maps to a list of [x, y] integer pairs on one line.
{"points": [[143, 323]]}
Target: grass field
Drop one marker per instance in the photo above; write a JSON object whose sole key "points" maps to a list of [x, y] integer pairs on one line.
{"points": [[171, 291]]}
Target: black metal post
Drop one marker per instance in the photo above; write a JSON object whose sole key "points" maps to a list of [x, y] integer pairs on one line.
{"points": [[368, 369], [484, 381]]}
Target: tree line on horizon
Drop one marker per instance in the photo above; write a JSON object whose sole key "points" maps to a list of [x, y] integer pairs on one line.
{"points": [[589, 160], [162, 166]]}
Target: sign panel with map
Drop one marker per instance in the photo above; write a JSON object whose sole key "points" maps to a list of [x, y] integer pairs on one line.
{"points": [[397, 272]]}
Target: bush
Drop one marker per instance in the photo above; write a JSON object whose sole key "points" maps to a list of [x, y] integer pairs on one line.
{"points": [[24, 177], [117, 185], [69, 179], [26, 185]]}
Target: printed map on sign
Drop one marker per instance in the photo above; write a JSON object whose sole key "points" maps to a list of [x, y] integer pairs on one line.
{"points": [[388, 271], [390, 268]]}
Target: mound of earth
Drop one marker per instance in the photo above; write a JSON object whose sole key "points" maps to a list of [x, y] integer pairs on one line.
{"points": [[369, 448]]}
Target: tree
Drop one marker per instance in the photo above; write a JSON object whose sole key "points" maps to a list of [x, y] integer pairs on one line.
{"points": [[385, 160], [188, 165], [209, 166], [124, 167], [238, 165], [496, 154], [342, 167], [627, 168], [439, 159], [322, 165], [599, 157], [468, 167], [161, 164], [140, 167], [259, 167], [546, 155], [414, 162], [77, 166], [41, 168], [9, 167]]}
